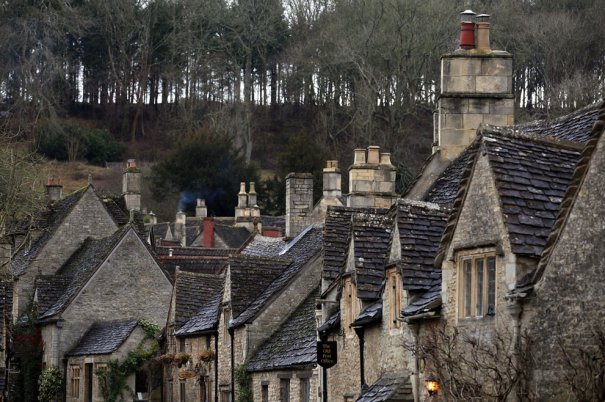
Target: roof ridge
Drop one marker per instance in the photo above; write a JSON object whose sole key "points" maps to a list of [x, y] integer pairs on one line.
{"points": [[422, 204], [487, 130], [262, 258]]}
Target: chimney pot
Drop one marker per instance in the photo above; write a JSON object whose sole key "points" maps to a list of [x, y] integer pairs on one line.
{"points": [[131, 164], [374, 154], [170, 251], [200, 209], [385, 158], [360, 156], [242, 197], [467, 30], [252, 195], [54, 191], [483, 28]]}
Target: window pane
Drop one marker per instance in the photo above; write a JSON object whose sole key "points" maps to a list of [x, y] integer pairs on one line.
{"points": [[480, 282], [468, 281], [491, 288]]}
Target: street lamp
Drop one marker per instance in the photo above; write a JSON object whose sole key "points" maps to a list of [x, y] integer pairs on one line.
{"points": [[431, 385]]}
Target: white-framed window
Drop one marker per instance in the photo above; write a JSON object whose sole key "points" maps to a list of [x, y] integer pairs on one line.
{"points": [[477, 285]]}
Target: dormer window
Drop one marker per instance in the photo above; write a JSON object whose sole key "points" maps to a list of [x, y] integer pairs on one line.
{"points": [[477, 285]]}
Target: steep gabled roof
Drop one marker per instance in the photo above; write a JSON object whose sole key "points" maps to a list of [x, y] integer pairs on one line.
{"points": [[250, 276], [371, 235], [293, 345], [301, 250], [532, 175], [571, 195], [206, 319], [420, 226], [81, 266], [232, 236], [193, 291], [330, 325], [103, 338], [337, 231], [53, 217], [49, 289]]}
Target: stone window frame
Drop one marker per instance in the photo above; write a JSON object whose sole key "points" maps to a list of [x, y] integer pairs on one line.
{"points": [[471, 262], [264, 391], [75, 372], [284, 389], [350, 312], [394, 292]]}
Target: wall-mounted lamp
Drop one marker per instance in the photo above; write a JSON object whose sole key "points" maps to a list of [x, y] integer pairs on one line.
{"points": [[431, 385]]}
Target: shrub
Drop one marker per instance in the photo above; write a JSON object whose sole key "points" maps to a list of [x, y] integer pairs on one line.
{"points": [[63, 140], [50, 385]]}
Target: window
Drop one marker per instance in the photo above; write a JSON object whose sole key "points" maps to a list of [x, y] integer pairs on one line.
{"points": [[182, 345], [394, 298], [284, 390], [265, 392], [477, 285], [75, 381], [169, 393], [182, 392], [225, 396], [305, 390]]}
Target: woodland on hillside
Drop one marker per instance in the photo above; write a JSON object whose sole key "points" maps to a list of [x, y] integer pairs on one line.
{"points": [[343, 73]]}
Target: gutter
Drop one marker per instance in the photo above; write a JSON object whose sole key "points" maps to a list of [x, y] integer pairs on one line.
{"points": [[360, 334], [231, 337], [216, 366]]}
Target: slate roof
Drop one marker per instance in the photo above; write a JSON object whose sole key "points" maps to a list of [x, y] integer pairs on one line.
{"points": [[370, 315], [569, 199], [264, 245], [372, 243], [337, 230], [250, 276], [192, 292], [81, 266], [532, 175], [53, 216], [234, 237], [293, 345], [445, 189], [194, 252], [160, 229], [429, 300], [332, 323], [301, 250], [49, 289], [103, 338], [389, 387], [420, 226], [206, 319], [575, 126]]}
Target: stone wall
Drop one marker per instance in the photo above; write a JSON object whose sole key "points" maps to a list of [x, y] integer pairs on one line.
{"points": [[88, 218], [299, 202], [568, 307], [480, 228], [194, 387], [128, 285], [475, 89], [272, 380]]}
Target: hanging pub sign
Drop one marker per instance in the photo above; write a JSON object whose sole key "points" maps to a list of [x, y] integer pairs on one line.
{"points": [[326, 353]]}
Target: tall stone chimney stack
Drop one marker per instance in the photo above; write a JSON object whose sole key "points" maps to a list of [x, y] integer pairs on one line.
{"points": [[180, 228], [200, 209], [131, 186], [332, 180], [299, 202], [372, 179], [54, 190], [476, 88]]}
